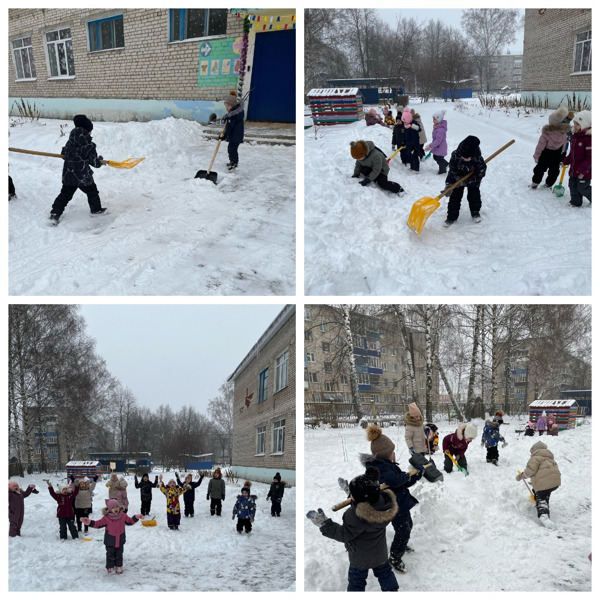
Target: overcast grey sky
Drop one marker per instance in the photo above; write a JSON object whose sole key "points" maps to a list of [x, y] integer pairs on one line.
{"points": [[175, 354], [450, 16]]}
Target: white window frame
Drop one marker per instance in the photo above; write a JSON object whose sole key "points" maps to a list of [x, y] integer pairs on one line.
{"points": [[20, 50], [278, 437], [281, 371], [312, 377], [577, 68], [310, 357], [261, 440], [323, 327], [52, 46], [307, 316], [263, 385]]}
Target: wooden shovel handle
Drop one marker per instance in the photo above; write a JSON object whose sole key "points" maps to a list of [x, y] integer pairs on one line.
{"points": [[487, 160], [38, 153], [212, 162], [346, 502]]}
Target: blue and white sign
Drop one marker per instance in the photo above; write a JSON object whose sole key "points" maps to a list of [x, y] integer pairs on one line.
{"points": [[205, 49]]}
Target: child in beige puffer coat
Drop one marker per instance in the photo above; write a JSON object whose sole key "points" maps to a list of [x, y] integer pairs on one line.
{"points": [[545, 478]]}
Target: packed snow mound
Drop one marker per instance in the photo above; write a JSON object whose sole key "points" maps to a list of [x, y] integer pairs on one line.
{"points": [[471, 533], [165, 232], [529, 242], [205, 554]]}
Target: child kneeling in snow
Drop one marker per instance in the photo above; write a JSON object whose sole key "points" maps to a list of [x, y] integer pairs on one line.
{"points": [[464, 160], [545, 478], [114, 520], [244, 509], [580, 159], [363, 531], [372, 163]]}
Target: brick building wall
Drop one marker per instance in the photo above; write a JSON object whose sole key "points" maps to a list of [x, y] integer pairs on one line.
{"points": [[549, 52], [147, 67], [249, 415]]}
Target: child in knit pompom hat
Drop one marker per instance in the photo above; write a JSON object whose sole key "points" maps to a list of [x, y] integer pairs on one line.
{"points": [[580, 159], [550, 148], [383, 458]]}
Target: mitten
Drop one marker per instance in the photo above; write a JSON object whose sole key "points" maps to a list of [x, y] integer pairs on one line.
{"points": [[411, 450], [365, 181], [318, 518], [207, 497], [519, 477], [504, 443], [343, 483], [393, 147], [85, 520], [252, 519], [233, 516], [139, 517], [420, 468]]}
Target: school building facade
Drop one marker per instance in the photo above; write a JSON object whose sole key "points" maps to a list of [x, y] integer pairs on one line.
{"points": [[557, 56], [264, 405], [143, 64]]}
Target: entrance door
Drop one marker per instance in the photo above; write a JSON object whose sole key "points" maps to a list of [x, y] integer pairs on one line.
{"points": [[273, 83]]}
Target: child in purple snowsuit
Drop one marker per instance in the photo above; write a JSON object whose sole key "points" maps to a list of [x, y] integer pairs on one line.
{"points": [[439, 146], [580, 159], [114, 519], [16, 506]]}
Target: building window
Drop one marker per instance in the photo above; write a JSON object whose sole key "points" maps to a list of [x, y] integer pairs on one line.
{"points": [[328, 367], [394, 351], [281, 371], [261, 436], [263, 385], [325, 346], [106, 34], [583, 52], [308, 336], [192, 23], [339, 341], [344, 379], [307, 314], [395, 367], [329, 386], [23, 57], [323, 327], [383, 366], [310, 357], [60, 53], [312, 377], [278, 436]]}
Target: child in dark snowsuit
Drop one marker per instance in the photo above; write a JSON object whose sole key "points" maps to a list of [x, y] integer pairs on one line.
{"points": [[145, 486], [190, 495], [244, 509], [545, 478], [115, 520], [398, 135], [276, 494], [172, 492], [491, 437], [372, 163], [464, 160], [580, 159], [216, 493], [550, 148], [410, 154], [383, 458], [363, 531], [234, 130], [64, 511], [16, 506], [80, 154]]}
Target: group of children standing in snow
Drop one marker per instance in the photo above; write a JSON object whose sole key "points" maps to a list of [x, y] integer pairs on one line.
{"points": [[74, 506], [381, 495], [557, 145]]}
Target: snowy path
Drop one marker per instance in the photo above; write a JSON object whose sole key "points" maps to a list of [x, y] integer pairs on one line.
{"points": [[475, 533], [165, 233], [357, 242], [205, 554]]}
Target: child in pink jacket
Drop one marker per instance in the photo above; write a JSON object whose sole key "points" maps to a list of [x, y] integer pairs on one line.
{"points": [[114, 520]]}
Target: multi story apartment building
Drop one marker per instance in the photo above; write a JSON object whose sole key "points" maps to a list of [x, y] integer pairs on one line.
{"points": [[557, 55], [264, 405], [141, 64]]}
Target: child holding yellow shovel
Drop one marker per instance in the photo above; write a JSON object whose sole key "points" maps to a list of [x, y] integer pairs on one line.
{"points": [[550, 148], [80, 154]]}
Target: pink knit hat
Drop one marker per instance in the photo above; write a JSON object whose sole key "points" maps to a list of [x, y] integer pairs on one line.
{"points": [[413, 410], [111, 503], [407, 116]]}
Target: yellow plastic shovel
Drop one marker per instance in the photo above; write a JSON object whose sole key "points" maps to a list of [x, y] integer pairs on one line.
{"points": [[531, 496], [422, 209], [559, 190], [128, 163]]}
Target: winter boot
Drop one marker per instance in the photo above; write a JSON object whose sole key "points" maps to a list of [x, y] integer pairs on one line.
{"points": [[397, 564], [533, 186], [476, 217], [99, 211], [54, 218], [231, 166], [119, 570], [109, 571], [449, 222]]}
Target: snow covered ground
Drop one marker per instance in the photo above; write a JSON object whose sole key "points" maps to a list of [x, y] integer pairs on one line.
{"points": [[529, 242], [475, 533], [165, 232], [205, 554]]}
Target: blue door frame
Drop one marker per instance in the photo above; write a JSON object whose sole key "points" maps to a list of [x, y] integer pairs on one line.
{"points": [[273, 83]]}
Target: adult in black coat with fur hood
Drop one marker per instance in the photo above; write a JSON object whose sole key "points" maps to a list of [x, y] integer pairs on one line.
{"points": [[383, 458], [363, 531], [80, 154]]}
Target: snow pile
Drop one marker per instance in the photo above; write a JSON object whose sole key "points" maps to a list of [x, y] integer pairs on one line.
{"points": [[165, 232], [529, 242], [205, 554], [475, 533]]}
